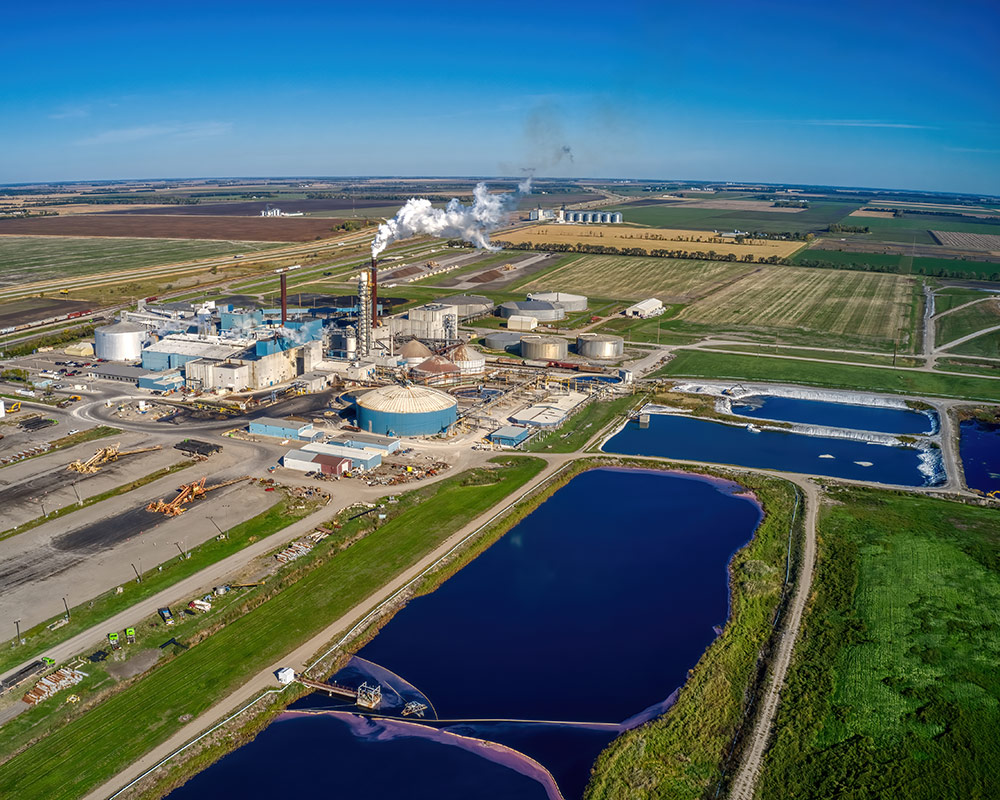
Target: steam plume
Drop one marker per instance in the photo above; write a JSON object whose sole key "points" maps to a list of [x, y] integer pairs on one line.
{"points": [[456, 220]]}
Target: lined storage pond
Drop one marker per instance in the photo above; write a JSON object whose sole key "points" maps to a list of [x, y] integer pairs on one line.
{"points": [[586, 615]]}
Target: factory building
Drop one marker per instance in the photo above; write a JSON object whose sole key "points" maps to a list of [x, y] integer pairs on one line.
{"points": [[430, 321], [161, 381], [543, 348], [503, 340], [370, 441], [176, 350], [600, 345], [645, 309], [436, 369], [468, 306], [360, 459], [540, 310], [551, 412], [540, 214], [468, 360], [510, 435], [406, 411], [122, 341], [519, 323], [283, 429], [570, 302], [305, 461]]}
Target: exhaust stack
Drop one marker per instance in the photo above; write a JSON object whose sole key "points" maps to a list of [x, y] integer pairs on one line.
{"points": [[374, 287], [284, 298]]}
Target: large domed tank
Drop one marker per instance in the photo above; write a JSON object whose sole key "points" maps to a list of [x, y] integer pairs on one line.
{"points": [[468, 360], [406, 411], [570, 302], [539, 309], [120, 342]]}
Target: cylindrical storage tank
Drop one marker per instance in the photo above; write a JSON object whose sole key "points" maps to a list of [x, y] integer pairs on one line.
{"points": [[502, 341], [468, 360], [406, 411], [569, 302], [119, 342], [543, 348], [540, 310], [600, 345], [414, 352], [616, 217], [468, 306]]}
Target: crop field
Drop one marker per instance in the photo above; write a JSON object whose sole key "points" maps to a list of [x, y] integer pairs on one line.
{"points": [[967, 320], [138, 226], [705, 364], [901, 262], [660, 239], [917, 227], [894, 690], [289, 203], [987, 345], [861, 304], [968, 241], [814, 219], [26, 259], [635, 278]]}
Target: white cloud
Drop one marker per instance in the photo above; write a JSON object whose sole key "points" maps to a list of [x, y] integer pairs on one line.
{"points": [[172, 130], [70, 112], [864, 123]]}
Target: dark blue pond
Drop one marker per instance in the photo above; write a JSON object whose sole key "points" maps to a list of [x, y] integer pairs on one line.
{"points": [[838, 415], [980, 451], [674, 436], [591, 610]]}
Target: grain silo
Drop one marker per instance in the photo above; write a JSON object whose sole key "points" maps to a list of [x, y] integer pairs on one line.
{"points": [[543, 348], [406, 411], [599, 345], [120, 342], [570, 302]]}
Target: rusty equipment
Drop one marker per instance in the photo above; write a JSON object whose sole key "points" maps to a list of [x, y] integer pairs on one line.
{"points": [[103, 456], [188, 493]]}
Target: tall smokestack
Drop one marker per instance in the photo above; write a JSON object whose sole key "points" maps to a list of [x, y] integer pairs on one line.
{"points": [[374, 283], [284, 299]]}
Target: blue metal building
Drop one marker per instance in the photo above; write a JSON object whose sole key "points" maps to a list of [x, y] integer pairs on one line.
{"points": [[282, 428]]}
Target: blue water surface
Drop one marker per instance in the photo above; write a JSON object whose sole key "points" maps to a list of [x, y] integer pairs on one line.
{"points": [[675, 436], [980, 450], [838, 415], [591, 609]]}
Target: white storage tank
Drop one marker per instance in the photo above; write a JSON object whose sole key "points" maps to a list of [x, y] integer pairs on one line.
{"points": [[536, 347], [542, 311], [599, 345], [505, 341], [570, 302], [468, 360], [120, 342]]}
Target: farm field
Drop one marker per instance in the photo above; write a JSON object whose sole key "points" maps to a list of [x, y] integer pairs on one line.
{"points": [[76, 757], [26, 259], [825, 355], [863, 305], [291, 202], [987, 346], [19, 312], [897, 262], [174, 226], [968, 241], [660, 239], [967, 320], [814, 219], [704, 364], [947, 299], [917, 227], [635, 277], [894, 687]]}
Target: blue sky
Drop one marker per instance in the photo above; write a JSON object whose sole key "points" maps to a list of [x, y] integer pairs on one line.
{"points": [[890, 94]]}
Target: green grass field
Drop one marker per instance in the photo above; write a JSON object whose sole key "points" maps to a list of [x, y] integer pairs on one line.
{"points": [[901, 263], [894, 691], [947, 299], [78, 756], [914, 228], [965, 321], [826, 355], [679, 755], [24, 259], [987, 346], [814, 219], [695, 364], [578, 430]]}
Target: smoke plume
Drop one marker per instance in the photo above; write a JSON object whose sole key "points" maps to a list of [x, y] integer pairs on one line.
{"points": [[456, 220]]}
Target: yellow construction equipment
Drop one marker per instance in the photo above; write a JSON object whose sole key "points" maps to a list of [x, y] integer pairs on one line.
{"points": [[14, 407], [188, 493], [103, 456]]}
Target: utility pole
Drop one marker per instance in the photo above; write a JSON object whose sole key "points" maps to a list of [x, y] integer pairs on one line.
{"points": [[17, 627], [222, 533], [79, 499], [138, 577], [66, 606]]}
